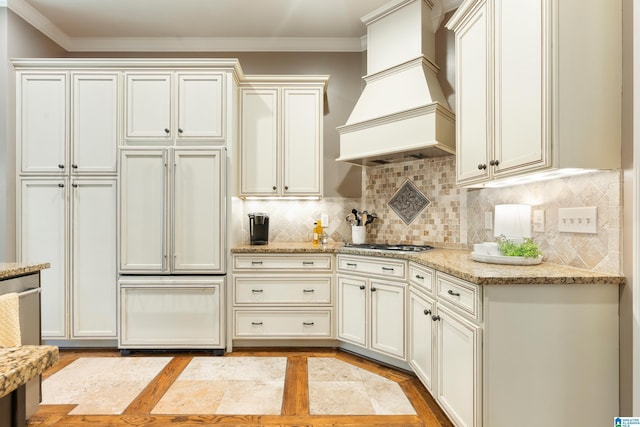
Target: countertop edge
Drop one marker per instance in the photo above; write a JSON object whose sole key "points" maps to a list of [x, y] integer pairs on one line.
{"points": [[18, 365], [9, 270]]}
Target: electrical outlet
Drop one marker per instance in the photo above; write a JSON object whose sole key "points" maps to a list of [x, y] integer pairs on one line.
{"points": [[538, 221], [578, 220], [488, 221], [325, 220]]}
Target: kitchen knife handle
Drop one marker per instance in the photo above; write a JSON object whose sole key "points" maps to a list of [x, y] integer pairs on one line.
{"points": [[455, 294]]}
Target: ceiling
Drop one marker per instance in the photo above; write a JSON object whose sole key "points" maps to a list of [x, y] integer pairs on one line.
{"points": [[201, 25]]}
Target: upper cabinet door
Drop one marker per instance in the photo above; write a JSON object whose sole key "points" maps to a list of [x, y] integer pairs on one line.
{"points": [[521, 92], [42, 123], [259, 141], [148, 108], [472, 97], [94, 123], [200, 106], [302, 142], [198, 211]]}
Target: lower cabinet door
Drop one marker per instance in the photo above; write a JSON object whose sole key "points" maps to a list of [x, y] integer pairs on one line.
{"points": [[421, 337], [459, 363], [170, 315], [283, 324], [388, 318], [352, 310]]}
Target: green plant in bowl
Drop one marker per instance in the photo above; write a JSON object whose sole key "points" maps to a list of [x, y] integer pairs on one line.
{"points": [[527, 249]]}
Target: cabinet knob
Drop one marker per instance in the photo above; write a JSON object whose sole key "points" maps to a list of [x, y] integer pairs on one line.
{"points": [[166, 131], [455, 294], [419, 277], [435, 318], [494, 162], [61, 166], [74, 166], [373, 289], [74, 185], [427, 312], [180, 130], [362, 287], [274, 188], [61, 185], [482, 166], [286, 187]]}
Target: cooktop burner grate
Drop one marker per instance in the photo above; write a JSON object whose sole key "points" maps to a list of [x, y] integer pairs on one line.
{"points": [[390, 247]]}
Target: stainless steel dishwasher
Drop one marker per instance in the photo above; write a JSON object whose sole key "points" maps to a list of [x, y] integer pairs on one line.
{"points": [[28, 289]]}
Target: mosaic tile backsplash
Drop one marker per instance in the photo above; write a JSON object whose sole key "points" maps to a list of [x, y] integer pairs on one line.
{"points": [[454, 218]]}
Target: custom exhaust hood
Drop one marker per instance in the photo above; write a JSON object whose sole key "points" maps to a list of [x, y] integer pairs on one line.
{"points": [[402, 113]]}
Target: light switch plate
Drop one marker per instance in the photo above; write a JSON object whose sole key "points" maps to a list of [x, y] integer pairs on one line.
{"points": [[538, 220], [488, 221], [578, 220]]}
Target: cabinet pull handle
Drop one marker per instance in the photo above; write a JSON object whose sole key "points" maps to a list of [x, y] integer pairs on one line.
{"points": [[482, 166], [352, 264], [427, 312], [74, 185], [256, 262], [308, 291], [373, 289], [387, 268], [180, 130], [61, 166], [308, 323], [307, 262], [494, 162], [256, 323], [61, 185], [362, 287], [419, 277], [435, 318], [166, 130], [455, 294], [257, 291]]}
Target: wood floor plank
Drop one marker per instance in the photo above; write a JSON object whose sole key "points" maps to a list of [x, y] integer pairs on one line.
{"points": [[295, 400], [153, 392]]}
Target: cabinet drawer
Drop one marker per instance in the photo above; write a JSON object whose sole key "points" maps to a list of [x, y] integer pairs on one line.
{"points": [[283, 324], [421, 277], [367, 265], [298, 290], [282, 262], [464, 296]]}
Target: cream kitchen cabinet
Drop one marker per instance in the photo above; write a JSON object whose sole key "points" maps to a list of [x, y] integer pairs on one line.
{"points": [[281, 142], [171, 312], [67, 122], [71, 223], [172, 214], [283, 296], [422, 329], [167, 108], [371, 309], [530, 96]]}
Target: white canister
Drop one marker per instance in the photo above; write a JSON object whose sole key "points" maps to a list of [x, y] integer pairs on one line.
{"points": [[358, 234]]}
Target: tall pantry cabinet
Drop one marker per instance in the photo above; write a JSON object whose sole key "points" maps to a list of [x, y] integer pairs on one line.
{"points": [[67, 126]]}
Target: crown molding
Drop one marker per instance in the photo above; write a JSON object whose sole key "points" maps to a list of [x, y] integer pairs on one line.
{"points": [[40, 22], [213, 44]]}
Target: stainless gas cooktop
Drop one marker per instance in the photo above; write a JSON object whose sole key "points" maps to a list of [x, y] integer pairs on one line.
{"points": [[388, 247]]}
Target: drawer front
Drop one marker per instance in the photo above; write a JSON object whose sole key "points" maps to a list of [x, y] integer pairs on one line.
{"points": [[298, 290], [314, 262], [461, 295], [422, 277], [283, 324], [383, 267]]}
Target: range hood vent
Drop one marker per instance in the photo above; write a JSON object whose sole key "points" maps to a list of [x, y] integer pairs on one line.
{"points": [[402, 113]]}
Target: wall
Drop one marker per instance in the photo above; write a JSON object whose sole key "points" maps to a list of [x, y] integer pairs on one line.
{"points": [[22, 41]]}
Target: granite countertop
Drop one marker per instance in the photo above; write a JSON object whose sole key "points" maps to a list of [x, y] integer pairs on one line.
{"points": [[9, 270], [19, 364], [458, 263]]}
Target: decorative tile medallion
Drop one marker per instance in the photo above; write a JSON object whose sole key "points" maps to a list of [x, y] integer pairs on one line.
{"points": [[408, 202]]}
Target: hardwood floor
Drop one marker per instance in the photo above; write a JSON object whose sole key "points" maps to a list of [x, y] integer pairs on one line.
{"points": [[295, 406]]}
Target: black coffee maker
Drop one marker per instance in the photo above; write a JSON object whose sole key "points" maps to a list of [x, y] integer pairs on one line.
{"points": [[259, 228]]}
